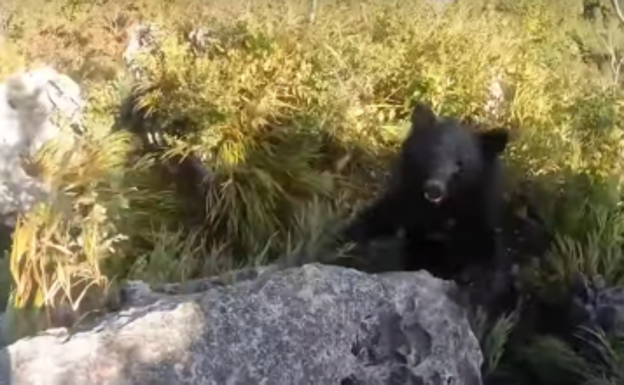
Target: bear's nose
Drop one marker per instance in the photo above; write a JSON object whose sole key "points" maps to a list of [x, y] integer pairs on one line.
{"points": [[434, 191]]}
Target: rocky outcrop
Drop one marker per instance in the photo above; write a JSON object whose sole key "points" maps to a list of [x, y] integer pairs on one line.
{"points": [[30, 102], [315, 324]]}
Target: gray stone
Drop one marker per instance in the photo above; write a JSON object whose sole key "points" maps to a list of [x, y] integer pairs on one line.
{"points": [[30, 102], [315, 324]]}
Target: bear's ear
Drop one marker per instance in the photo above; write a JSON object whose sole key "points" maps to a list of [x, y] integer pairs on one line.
{"points": [[493, 142], [422, 116]]}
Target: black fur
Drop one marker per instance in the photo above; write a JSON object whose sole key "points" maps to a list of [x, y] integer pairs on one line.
{"points": [[446, 184]]}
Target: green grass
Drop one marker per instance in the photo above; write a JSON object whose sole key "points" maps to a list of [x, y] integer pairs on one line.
{"points": [[299, 121]]}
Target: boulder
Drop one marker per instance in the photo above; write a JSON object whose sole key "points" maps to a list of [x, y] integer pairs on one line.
{"points": [[315, 324], [30, 101]]}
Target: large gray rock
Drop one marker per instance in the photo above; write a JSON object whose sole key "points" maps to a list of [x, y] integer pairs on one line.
{"points": [[314, 324], [30, 102]]}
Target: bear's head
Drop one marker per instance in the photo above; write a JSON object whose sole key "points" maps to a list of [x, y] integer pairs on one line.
{"points": [[444, 157]]}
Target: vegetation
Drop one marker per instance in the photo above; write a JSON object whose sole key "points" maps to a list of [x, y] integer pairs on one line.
{"points": [[296, 116]]}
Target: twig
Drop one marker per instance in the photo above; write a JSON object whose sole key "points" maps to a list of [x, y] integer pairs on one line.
{"points": [[618, 11], [312, 14], [617, 64]]}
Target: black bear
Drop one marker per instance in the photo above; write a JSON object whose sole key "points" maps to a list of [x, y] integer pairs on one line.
{"points": [[446, 180]]}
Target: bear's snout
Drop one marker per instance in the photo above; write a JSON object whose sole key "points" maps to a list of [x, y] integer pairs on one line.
{"points": [[434, 191]]}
